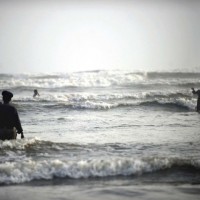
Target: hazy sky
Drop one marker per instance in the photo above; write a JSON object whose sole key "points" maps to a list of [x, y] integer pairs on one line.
{"points": [[66, 35]]}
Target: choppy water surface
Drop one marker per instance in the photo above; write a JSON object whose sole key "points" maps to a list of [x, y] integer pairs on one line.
{"points": [[110, 127]]}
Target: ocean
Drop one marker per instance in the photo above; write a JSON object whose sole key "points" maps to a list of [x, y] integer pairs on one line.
{"points": [[103, 135]]}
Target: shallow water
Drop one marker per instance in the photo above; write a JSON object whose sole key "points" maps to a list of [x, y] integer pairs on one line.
{"points": [[98, 191]]}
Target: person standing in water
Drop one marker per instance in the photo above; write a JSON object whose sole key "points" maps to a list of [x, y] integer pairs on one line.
{"points": [[35, 93], [10, 123], [198, 100]]}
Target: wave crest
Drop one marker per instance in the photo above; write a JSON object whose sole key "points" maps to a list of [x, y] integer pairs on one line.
{"points": [[27, 170], [100, 79]]}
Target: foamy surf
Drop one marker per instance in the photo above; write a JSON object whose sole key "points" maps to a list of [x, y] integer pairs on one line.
{"points": [[28, 169], [101, 125], [100, 79]]}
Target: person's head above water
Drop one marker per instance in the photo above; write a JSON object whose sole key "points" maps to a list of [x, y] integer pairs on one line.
{"points": [[35, 93], [7, 96]]}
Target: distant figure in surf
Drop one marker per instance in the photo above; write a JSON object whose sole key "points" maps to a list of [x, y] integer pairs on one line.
{"points": [[198, 100], [35, 93], [10, 123]]}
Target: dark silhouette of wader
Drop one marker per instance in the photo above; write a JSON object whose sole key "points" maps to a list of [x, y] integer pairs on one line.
{"points": [[9, 122], [8, 134]]}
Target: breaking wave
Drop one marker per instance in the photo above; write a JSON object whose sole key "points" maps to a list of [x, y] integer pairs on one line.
{"points": [[99, 79], [170, 105], [29, 169], [33, 159], [92, 102], [104, 106]]}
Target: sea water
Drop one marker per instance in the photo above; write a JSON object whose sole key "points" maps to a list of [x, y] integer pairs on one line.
{"points": [[103, 134]]}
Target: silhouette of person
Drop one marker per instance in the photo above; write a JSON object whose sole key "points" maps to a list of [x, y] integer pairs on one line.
{"points": [[35, 93], [10, 123], [198, 100]]}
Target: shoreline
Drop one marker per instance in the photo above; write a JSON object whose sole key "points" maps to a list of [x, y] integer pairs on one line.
{"points": [[99, 191]]}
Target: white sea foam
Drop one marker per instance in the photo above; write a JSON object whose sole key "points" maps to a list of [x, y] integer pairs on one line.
{"points": [[98, 79], [86, 79], [108, 101], [28, 169], [18, 143]]}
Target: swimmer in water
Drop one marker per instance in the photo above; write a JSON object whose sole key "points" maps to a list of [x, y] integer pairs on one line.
{"points": [[35, 93]]}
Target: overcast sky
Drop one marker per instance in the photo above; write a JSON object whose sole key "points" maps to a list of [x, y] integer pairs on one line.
{"points": [[68, 35]]}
